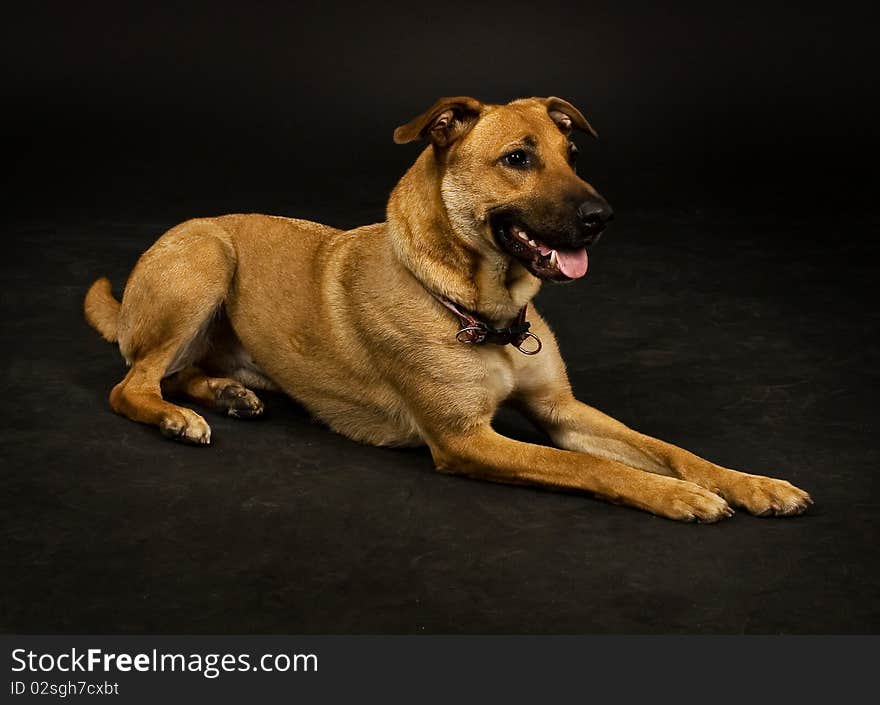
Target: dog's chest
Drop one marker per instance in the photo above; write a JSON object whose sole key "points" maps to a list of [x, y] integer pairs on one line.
{"points": [[500, 376]]}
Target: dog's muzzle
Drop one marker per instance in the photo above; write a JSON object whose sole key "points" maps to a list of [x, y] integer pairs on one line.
{"points": [[593, 215]]}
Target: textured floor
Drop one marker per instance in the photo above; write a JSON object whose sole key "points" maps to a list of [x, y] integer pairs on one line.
{"points": [[754, 344]]}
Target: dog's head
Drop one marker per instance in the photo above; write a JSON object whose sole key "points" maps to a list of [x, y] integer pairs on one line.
{"points": [[509, 182]]}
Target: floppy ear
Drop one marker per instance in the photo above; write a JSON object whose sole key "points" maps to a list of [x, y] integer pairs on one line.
{"points": [[442, 123], [566, 116]]}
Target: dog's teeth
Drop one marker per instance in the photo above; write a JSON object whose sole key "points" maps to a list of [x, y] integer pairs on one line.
{"points": [[553, 258], [533, 243], [522, 236]]}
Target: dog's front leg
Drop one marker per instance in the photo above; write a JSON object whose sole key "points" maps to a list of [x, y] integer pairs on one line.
{"points": [[578, 427], [485, 454]]}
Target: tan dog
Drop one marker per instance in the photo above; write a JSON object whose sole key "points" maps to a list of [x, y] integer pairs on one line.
{"points": [[396, 333]]}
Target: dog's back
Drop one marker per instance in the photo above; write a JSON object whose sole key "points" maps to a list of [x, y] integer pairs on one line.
{"points": [[265, 301]]}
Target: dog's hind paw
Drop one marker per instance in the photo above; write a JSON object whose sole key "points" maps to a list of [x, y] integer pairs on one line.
{"points": [[239, 402], [185, 425]]}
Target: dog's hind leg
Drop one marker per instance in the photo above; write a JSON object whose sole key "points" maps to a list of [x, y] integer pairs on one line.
{"points": [[138, 396], [218, 393], [170, 302]]}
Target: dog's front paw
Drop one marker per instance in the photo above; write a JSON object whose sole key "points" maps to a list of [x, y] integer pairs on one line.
{"points": [[767, 496], [685, 501]]}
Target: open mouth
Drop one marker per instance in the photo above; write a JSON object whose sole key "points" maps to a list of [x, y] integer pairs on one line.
{"points": [[542, 260]]}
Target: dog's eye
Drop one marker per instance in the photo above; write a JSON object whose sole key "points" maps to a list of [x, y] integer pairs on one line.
{"points": [[572, 153], [518, 159]]}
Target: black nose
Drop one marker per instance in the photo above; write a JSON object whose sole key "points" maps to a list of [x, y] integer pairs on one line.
{"points": [[594, 214]]}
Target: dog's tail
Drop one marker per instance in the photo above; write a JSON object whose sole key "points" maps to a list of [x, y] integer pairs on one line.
{"points": [[101, 309]]}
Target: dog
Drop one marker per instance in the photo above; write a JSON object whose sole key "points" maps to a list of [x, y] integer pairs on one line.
{"points": [[415, 330]]}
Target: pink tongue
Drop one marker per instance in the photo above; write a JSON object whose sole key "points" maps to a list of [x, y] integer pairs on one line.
{"points": [[572, 263]]}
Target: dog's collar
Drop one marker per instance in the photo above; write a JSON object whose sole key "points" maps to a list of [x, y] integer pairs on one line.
{"points": [[476, 332]]}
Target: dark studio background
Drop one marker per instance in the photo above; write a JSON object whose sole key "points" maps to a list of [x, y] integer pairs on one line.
{"points": [[729, 310]]}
